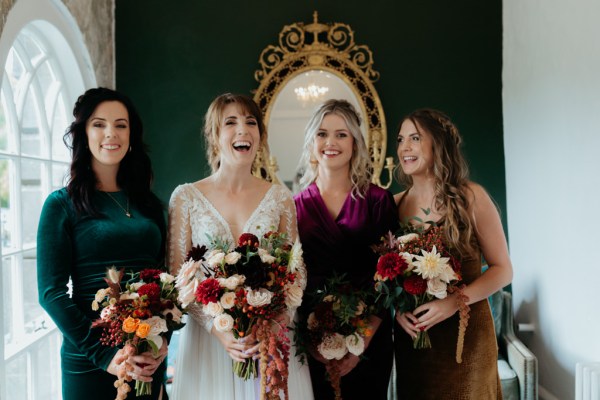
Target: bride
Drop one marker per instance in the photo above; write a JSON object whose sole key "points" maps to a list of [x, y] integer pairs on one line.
{"points": [[228, 203]]}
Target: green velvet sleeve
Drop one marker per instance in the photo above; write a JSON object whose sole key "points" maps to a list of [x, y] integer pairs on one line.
{"points": [[54, 266]]}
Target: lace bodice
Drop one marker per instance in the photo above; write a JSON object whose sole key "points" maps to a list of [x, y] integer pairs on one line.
{"points": [[193, 220]]}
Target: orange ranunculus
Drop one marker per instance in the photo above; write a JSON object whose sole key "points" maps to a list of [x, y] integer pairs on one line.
{"points": [[143, 330], [130, 324]]}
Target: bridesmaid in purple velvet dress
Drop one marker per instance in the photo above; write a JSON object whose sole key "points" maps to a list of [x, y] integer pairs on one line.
{"points": [[340, 214]]}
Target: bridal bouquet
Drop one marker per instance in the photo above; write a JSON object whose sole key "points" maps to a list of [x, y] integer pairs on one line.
{"points": [[416, 268], [337, 326], [245, 290], [137, 317]]}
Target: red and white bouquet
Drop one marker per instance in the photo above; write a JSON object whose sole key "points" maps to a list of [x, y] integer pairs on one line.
{"points": [[137, 317], [415, 268], [246, 289], [338, 325]]}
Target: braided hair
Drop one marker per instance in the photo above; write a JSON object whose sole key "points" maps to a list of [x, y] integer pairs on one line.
{"points": [[451, 175]]}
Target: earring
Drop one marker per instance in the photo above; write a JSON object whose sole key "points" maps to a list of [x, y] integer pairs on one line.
{"points": [[130, 149]]}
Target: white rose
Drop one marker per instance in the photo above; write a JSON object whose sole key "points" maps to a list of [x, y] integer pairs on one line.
{"points": [[232, 258], [232, 282], [175, 313], [213, 309], [266, 257], [333, 346], [157, 325], [227, 300], [437, 288], [166, 278], [135, 286], [312, 321], [259, 298], [216, 258], [223, 322], [113, 275], [293, 295], [408, 238], [355, 344], [158, 341], [129, 296]]}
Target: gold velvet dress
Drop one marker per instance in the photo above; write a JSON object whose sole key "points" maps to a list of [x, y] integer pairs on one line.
{"points": [[434, 374]]}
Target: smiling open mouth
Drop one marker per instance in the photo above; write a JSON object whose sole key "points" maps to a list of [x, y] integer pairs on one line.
{"points": [[242, 146]]}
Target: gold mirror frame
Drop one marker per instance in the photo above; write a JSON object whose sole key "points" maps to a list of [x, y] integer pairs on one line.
{"points": [[331, 48]]}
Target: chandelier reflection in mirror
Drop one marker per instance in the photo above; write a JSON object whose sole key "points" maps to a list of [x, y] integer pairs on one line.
{"points": [[312, 93], [319, 48]]}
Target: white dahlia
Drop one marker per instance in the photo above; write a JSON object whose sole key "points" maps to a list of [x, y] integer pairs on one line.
{"points": [[431, 264]]}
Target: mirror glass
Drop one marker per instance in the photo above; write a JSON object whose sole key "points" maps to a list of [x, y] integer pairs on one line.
{"points": [[291, 111]]}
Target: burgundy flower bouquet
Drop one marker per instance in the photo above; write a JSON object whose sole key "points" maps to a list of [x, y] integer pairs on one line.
{"points": [[415, 268]]}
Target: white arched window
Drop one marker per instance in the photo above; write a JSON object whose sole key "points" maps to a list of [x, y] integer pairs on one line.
{"points": [[41, 79]]}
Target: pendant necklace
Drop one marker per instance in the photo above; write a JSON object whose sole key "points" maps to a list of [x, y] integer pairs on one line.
{"points": [[125, 210]]}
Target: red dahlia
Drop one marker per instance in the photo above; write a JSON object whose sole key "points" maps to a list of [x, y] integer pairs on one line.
{"points": [[152, 290], [149, 274], [391, 265], [209, 291], [415, 285], [248, 239]]}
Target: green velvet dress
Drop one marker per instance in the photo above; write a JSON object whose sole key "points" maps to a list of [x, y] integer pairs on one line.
{"points": [[81, 248]]}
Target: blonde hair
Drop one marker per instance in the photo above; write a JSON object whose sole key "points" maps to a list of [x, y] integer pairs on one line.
{"points": [[214, 119], [451, 175], [360, 162]]}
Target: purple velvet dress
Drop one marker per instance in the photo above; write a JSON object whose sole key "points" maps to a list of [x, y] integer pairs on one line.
{"points": [[342, 245]]}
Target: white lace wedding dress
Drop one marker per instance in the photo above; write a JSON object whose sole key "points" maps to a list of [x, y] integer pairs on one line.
{"points": [[203, 367]]}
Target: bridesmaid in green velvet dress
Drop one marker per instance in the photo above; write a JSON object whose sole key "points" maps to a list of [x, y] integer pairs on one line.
{"points": [[107, 215], [435, 174]]}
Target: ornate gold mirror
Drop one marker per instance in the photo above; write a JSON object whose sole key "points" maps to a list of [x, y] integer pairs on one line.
{"points": [[313, 63]]}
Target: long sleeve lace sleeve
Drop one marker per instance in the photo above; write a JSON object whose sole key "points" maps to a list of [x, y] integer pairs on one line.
{"points": [[180, 243], [288, 224]]}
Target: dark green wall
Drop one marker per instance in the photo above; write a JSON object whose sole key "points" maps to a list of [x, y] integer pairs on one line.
{"points": [[173, 58]]}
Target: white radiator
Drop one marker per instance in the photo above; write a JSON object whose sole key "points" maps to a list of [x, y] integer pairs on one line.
{"points": [[587, 381]]}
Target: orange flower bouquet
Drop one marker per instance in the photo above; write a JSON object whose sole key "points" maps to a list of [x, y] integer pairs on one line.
{"points": [[137, 317]]}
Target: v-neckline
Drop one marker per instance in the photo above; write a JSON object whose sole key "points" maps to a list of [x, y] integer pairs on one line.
{"points": [[322, 200], [222, 219]]}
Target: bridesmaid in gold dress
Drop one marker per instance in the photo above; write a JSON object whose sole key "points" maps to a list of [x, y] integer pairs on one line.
{"points": [[436, 178]]}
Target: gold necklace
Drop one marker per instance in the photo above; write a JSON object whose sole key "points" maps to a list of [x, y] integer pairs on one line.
{"points": [[125, 210]]}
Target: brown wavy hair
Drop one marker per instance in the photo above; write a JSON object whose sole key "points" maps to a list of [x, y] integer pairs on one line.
{"points": [[214, 119], [451, 175]]}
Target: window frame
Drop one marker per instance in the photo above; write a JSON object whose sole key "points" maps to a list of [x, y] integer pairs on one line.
{"points": [[52, 24]]}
